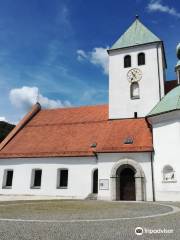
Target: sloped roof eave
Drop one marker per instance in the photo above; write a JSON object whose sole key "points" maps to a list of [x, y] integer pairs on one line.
{"points": [[135, 45], [74, 154]]}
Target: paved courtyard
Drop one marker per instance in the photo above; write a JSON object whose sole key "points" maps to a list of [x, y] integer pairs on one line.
{"points": [[63, 219]]}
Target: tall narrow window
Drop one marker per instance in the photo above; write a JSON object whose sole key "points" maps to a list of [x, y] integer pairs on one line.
{"points": [[8, 178], [134, 90], [127, 61], [36, 178], [62, 178], [141, 59]]}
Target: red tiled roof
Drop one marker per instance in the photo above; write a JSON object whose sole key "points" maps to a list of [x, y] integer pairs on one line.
{"points": [[72, 131]]}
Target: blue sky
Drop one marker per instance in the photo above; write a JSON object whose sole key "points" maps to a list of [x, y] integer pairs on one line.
{"points": [[56, 49]]}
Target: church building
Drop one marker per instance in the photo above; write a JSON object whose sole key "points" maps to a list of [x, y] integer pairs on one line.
{"points": [[128, 149]]}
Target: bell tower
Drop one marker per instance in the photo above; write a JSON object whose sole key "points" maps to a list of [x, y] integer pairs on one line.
{"points": [[137, 66]]}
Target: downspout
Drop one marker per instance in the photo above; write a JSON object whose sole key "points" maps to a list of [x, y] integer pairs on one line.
{"points": [[152, 158], [158, 72], [96, 155], [152, 174]]}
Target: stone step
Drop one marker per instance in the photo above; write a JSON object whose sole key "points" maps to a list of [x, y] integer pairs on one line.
{"points": [[92, 196]]}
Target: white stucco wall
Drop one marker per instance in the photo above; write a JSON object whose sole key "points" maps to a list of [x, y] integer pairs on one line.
{"points": [[166, 137], [120, 103], [107, 161], [79, 180]]}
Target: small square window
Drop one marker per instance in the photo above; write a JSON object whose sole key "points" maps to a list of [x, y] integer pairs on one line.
{"points": [[8, 178], [62, 179]]}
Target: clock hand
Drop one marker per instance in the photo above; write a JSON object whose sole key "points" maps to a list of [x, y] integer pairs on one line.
{"points": [[133, 74]]}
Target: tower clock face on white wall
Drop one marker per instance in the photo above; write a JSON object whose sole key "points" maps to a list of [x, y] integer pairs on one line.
{"points": [[134, 75]]}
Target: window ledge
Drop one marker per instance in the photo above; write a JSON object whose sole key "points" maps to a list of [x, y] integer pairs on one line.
{"points": [[7, 187], [62, 187], [169, 181], [35, 187], [133, 98]]}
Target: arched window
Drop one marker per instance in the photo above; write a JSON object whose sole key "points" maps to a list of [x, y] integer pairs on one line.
{"points": [[127, 61], [168, 174], [134, 90], [141, 59]]}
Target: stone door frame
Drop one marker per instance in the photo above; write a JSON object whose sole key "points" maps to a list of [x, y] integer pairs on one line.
{"points": [[139, 179]]}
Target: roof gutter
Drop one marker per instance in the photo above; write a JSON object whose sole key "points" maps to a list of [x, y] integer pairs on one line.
{"points": [[137, 45], [161, 113]]}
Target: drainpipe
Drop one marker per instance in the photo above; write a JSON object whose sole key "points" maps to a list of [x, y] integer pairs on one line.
{"points": [[152, 174], [96, 155], [152, 159], [160, 95]]}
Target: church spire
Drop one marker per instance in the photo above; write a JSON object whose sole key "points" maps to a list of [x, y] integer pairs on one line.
{"points": [[136, 34]]}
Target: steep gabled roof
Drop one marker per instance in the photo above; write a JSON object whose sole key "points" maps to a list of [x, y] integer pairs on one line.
{"points": [[72, 131], [136, 34], [169, 102]]}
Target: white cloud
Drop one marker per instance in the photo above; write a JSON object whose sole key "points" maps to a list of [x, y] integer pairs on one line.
{"points": [[25, 97], [98, 56], [157, 6], [81, 55], [3, 119]]}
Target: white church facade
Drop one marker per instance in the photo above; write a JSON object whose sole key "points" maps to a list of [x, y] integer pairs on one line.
{"points": [[126, 150]]}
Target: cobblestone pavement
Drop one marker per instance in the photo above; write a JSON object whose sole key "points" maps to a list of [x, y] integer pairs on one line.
{"points": [[74, 210]]}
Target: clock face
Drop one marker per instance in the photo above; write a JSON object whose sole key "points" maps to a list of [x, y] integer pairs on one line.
{"points": [[134, 75]]}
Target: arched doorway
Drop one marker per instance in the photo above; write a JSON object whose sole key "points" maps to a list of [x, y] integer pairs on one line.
{"points": [[127, 174], [95, 181], [127, 185]]}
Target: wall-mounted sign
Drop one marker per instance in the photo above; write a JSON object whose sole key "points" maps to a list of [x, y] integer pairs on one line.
{"points": [[104, 184]]}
